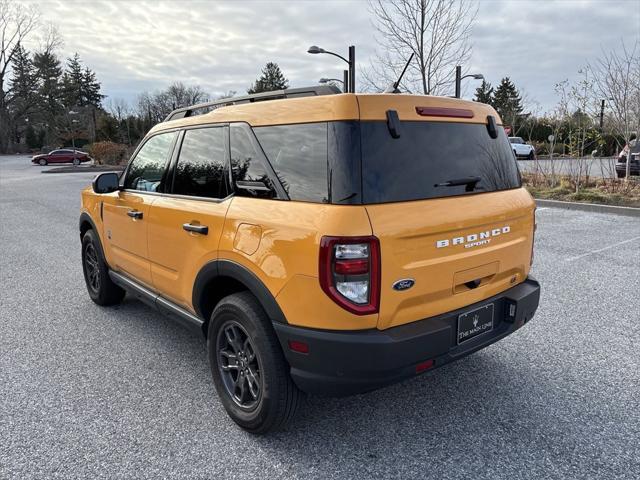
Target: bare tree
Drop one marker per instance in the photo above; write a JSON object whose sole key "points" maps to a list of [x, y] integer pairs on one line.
{"points": [[156, 106], [16, 23], [616, 77], [436, 31], [121, 111]]}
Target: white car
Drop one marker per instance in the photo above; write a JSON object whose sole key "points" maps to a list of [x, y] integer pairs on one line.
{"points": [[522, 149]]}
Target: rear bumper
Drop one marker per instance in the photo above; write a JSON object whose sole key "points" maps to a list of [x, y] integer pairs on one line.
{"points": [[344, 363]]}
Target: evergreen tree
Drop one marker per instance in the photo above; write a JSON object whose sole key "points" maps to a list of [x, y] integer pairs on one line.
{"points": [[49, 74], [22, 97], [81, 88], [32, 138], [23, 79], [271, 79], [484, 93], [72, 82], [23, 84], [91, 89], [507, 101]]}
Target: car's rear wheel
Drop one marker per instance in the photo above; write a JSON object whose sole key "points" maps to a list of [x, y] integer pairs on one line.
{"points": [[42, 161], [621, 173], [101, 288], [249, 370]]}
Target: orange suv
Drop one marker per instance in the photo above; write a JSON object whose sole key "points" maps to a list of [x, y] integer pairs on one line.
{"points": [[323, 243]]}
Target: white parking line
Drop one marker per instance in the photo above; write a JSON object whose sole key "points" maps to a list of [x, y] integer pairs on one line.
{"points": [[602, 249]]}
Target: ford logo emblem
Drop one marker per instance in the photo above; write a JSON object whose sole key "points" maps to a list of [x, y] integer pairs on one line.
{"points": [[404, 284]]}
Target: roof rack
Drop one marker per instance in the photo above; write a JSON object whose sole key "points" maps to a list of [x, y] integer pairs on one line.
{"points": [[202, 108]]}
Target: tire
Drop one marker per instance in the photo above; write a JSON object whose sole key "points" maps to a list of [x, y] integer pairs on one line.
{"points": [[244, 352], [621, 174], [76, 161], [101, 288], [515, 154], [531, 156], [43, 161]]}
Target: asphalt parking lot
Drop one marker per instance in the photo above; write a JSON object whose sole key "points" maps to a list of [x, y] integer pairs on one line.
{"points": [[91, 392]]}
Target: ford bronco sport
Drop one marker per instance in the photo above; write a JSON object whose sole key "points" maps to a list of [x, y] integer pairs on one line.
{"points": [[323, 243]]}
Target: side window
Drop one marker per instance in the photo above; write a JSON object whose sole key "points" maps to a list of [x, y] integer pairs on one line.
{"points": [[248, 162], [298, 154], [201, 169], [146, 169]]}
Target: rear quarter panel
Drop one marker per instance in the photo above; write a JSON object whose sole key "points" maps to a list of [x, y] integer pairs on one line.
{"points": [[279, 242]]}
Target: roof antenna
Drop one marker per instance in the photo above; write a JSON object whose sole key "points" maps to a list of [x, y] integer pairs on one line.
{"points": [[393, 88]]}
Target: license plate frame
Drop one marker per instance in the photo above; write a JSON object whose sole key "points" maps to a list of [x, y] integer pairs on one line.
{"points": [[483, 323]]}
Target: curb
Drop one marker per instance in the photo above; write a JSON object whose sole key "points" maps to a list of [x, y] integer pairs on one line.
{"points": [[590, 207]]}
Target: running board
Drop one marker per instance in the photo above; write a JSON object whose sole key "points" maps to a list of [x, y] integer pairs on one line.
{"points": [[163, 305]]}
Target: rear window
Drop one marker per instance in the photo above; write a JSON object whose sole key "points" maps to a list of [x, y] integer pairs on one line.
{"points": [[430, 159]]}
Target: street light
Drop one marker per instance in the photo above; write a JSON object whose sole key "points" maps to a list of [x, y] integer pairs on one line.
{"points": [[327, 80], [350, 84], [459, 77]]}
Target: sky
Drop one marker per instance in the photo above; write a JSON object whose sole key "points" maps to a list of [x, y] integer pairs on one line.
{"points": [[135, 46]]}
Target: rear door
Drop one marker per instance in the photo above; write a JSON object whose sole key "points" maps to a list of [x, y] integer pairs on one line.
{"points": [[126, 212], [185, 225], [445, 201]]}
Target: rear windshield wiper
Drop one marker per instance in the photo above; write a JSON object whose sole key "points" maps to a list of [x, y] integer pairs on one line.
{"points": [[470, 183]]}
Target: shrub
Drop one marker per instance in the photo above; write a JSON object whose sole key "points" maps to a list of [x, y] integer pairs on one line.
{"points": [[108, 153]]}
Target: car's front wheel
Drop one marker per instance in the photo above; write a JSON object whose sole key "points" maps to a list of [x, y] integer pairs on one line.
{"points": [[532, 155], [76, 161], [621, 173], [101, 288], [42, 161], [249, 370]]}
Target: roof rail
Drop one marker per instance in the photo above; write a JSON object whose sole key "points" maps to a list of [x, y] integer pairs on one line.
{"points": [[202, 108]]}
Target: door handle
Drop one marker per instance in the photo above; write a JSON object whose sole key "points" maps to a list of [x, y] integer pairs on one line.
{"points": [[202, 229], [135, 214]]}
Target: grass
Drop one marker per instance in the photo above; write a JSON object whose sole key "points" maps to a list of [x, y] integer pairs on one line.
{"points": [[598, 191]]}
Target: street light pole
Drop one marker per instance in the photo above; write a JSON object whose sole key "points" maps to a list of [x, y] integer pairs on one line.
{"points": [[458, 79], [601, 115], [345, 80], [352, 69]]}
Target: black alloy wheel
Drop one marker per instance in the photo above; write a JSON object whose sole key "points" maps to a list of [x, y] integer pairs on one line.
{"points": [[92, 268], [239, 364]]}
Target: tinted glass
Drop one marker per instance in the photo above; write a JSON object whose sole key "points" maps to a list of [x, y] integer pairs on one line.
{"points": [[248, 162], [201, 168], [345, 182], [298, 154], [429, 155], [146, 169]]}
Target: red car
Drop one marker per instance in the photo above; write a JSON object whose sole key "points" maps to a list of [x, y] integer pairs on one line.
{"points": [[62, 156]]}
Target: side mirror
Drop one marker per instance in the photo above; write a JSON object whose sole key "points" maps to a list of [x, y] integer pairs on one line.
{"points": [[106, 183]]}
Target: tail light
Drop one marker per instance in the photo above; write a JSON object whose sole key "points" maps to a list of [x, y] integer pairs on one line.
{"points": [[350, 272]]}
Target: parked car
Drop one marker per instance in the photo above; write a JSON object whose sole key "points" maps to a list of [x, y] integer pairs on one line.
{"points": [[321, 242], [634, 165], [521, 149], [63, 155]]}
